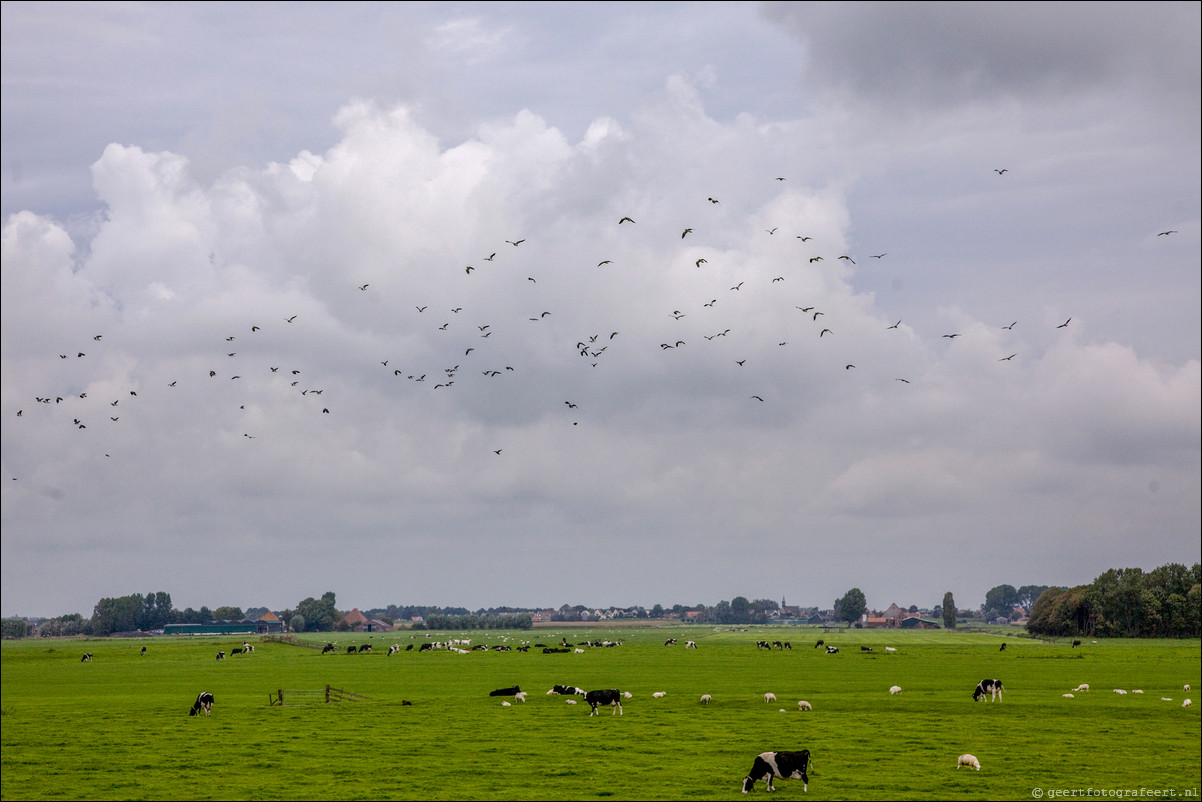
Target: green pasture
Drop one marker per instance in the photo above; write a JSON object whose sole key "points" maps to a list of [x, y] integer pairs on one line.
{"points": [[117, 727]]}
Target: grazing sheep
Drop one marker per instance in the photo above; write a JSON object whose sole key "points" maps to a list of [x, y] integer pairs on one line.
{"points": [[627, 695], [1120, 691], [1068, 696], [1185, 687], [571, 701], [968, 760], [1187, 703], [769, 697], [1165, 699], [506, 704], [706, 699], [890, 649], [1082, 687], [520, 696], [1137, 690], [804, 705], [896, 689], [658, 695]]}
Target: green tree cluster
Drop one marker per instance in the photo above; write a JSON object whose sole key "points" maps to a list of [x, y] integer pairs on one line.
{"points": [[1165, 602]]}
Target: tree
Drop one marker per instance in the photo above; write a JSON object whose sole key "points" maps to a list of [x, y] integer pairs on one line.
{"points": [[657, 611], [740, 610], [297, 623], [227, 613], [949, 610], [851, 606], [1000, 602], [14, 628]]}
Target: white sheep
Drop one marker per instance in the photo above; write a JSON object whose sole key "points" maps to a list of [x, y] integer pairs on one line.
{"points": [[1185, 687], [1120, 691], [659, 695], [769, 697], [520, 696], [705, 699], [1137, 690], [1187, 703], [571, 701], [890, 649], [627, 695], [968, 760], [1082, 687], [896, 689], [506, 704], [804, 705], [1068, 696]]}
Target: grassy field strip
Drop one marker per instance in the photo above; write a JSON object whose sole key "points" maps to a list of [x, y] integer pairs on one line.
{"points": [[117, 727]]}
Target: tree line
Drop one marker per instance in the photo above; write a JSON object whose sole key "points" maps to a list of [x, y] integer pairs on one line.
{"points": [[1165, 602]]}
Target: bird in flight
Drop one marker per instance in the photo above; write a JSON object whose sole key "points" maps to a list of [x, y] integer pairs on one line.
{"points": [[1011, 326], [815, 259], [515, 244], [895, 325], [848, 367], [712, 200], [605, 262], [625, 220], [700, 262], [772, 230], [825, 331], [420, 308], [364, 286], [490, 256], [1064, 324], [757, 398], [290, 319], [1001, 172], [907, 381], [686, 232], [848, 258], [804, 239], [951, 336], [880, 255], [1161, 234], [778, 278], [468, 269], [1007, 358], [737, 286]]}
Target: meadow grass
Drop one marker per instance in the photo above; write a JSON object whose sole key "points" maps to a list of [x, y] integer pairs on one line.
{"points": [[117, 727]]}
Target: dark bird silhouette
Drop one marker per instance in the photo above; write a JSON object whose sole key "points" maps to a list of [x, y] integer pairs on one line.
{"points": [[1161, 234], [212, 373], [737, 286], [1007, 358], [421, 309], [740, 362], [290, 319], [895, 325], [364, 286], [625, 220], [778, 278], [325, 411], [848, 367], [712, 200], [172, 384], [771, 230], [757, 398], [605, 262], [825, 331], [701, 262], [497, 451], [780, 179], [686, 232], [805, 308], [229, 339], [97, 337], [490, 256], [1001, 172], [570, 405], [848, 258], [804, 239], [1064, 324], [816, 314], [815, 259], [907, 381], [951, 336], [254, 328], [1011, 326], [515, 244], [468, 269], [880, 255]]}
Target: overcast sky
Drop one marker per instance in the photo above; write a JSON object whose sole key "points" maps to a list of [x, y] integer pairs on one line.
{"points": [[340, 297]]}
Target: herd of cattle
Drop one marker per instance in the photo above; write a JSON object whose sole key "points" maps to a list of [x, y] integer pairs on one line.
{"points": [[766, 767]]}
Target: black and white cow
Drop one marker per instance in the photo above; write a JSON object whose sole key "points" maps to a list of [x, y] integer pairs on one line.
{"points": [[351, 650], [365, 647], [832, 649], [143, 651], [394, 649], [87, 657], [566, 690], [611, 697], [988, 687], [785, 765], [329, 647], [221, 655], [203, 702], [514, 691]]}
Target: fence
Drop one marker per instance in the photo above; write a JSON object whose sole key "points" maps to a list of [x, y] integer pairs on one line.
{"points": [[302, 697]]}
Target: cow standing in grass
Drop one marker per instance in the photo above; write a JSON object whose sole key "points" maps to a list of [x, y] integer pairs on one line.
{"points": [[783, 765], [203, 702]]}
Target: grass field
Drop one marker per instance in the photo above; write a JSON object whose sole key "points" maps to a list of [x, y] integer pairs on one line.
{"points": [[117, 727]]}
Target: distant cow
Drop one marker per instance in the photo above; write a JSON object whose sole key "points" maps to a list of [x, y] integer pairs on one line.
{"points": [[351, 650], [143, 651], [566, 690], [365, 647], [783, 765], [670, 642], [221, 655], [1076, 643], [832, 649], [819, 643], [87, 657], [1003, 648], [393, 649], [236, 650], [514, 691], [203, 702], [329, 647], [690, 644], [866, 648], [610, 697], [988, 687]]}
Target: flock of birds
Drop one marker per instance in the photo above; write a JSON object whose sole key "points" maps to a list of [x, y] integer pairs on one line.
{"points": [[231, 366]]}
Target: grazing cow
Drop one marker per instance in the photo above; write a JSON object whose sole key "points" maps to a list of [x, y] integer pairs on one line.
{"points": [[763, 644], [409, 648], [351, 650], [329, 647], [611, 697], [778, 644], [235, 650], [988, 687], [1120, 691], [1003, 648], [203, 702], [1082, 687], [690, 644], [514, 691], [785, 765], [670, 642], [769, 697], [365, 647], [143, 651], [832, 649], [866, 648], [968, 760], [1076, 643], [393, 649], [804, 705], [896, 689], [566, 690], [819, 643], [87, 657], [788, 646], [221, 655], [706, 698]]}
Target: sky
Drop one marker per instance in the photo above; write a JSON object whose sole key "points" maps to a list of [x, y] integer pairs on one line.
{"points": [[532, 304]]}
